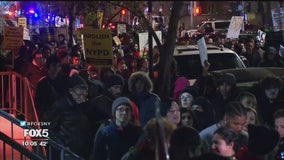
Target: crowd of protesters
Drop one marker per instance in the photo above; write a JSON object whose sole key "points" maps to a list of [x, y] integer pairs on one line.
{"points": [[111, 112]]}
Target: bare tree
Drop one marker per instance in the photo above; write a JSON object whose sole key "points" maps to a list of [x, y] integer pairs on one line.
{"points": [[5, 6], [166, 49], [166, 52]]}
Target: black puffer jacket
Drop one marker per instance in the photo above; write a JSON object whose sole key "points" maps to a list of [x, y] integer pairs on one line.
{"points": [[70, 126]]}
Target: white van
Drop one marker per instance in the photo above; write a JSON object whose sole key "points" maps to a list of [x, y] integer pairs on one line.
{"points": [[215, 25]]}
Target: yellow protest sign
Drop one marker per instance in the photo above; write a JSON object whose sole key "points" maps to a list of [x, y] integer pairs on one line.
{"points": [[98, 46], [22, 21], [250, 16], [13, 37]]}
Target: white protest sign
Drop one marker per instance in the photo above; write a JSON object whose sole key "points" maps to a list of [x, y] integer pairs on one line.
{"points": [[83, 46], [202, 50], [26, 34], [281, 51], [261, 37], [121, 28], [277, 15], [143, 40], [235, 27]]}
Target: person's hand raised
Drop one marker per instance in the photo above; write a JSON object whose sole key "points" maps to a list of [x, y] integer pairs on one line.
{"points": [[206, 68]]}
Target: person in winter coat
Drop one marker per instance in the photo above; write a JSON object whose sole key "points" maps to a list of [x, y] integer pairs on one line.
{"points": [[154, 142], [69, 123], [271, 58], [36, 69], [226, 92], [269, 99], [140, 87], [262, 141], [278, 116], [234, 118], [99, 107], [115, 139], [49, 88]]}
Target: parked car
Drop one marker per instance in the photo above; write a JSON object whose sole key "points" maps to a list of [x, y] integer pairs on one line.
{"points": [[189, 64], [220, 28], [247, 77], [191, 32]]}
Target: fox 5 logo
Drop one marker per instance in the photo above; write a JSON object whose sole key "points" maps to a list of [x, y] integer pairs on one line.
{"points": [[36, 133]]}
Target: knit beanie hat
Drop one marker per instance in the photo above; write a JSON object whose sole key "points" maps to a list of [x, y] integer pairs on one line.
{"points": [[262, 139], [77, 81], [114, 80], [120, 100]]}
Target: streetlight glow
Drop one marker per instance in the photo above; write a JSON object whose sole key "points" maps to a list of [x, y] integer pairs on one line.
{"points": [[31, 11]]}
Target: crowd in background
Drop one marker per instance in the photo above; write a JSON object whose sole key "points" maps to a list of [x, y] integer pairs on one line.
{"points": [[111, 112]]}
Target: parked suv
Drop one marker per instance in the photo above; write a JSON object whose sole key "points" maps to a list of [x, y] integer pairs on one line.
{"points": [[189, 65], [211, 27], [215, 26]]}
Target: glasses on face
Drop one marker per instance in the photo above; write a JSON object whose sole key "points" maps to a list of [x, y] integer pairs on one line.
{"points": [[184, 97], [121, 110]]}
